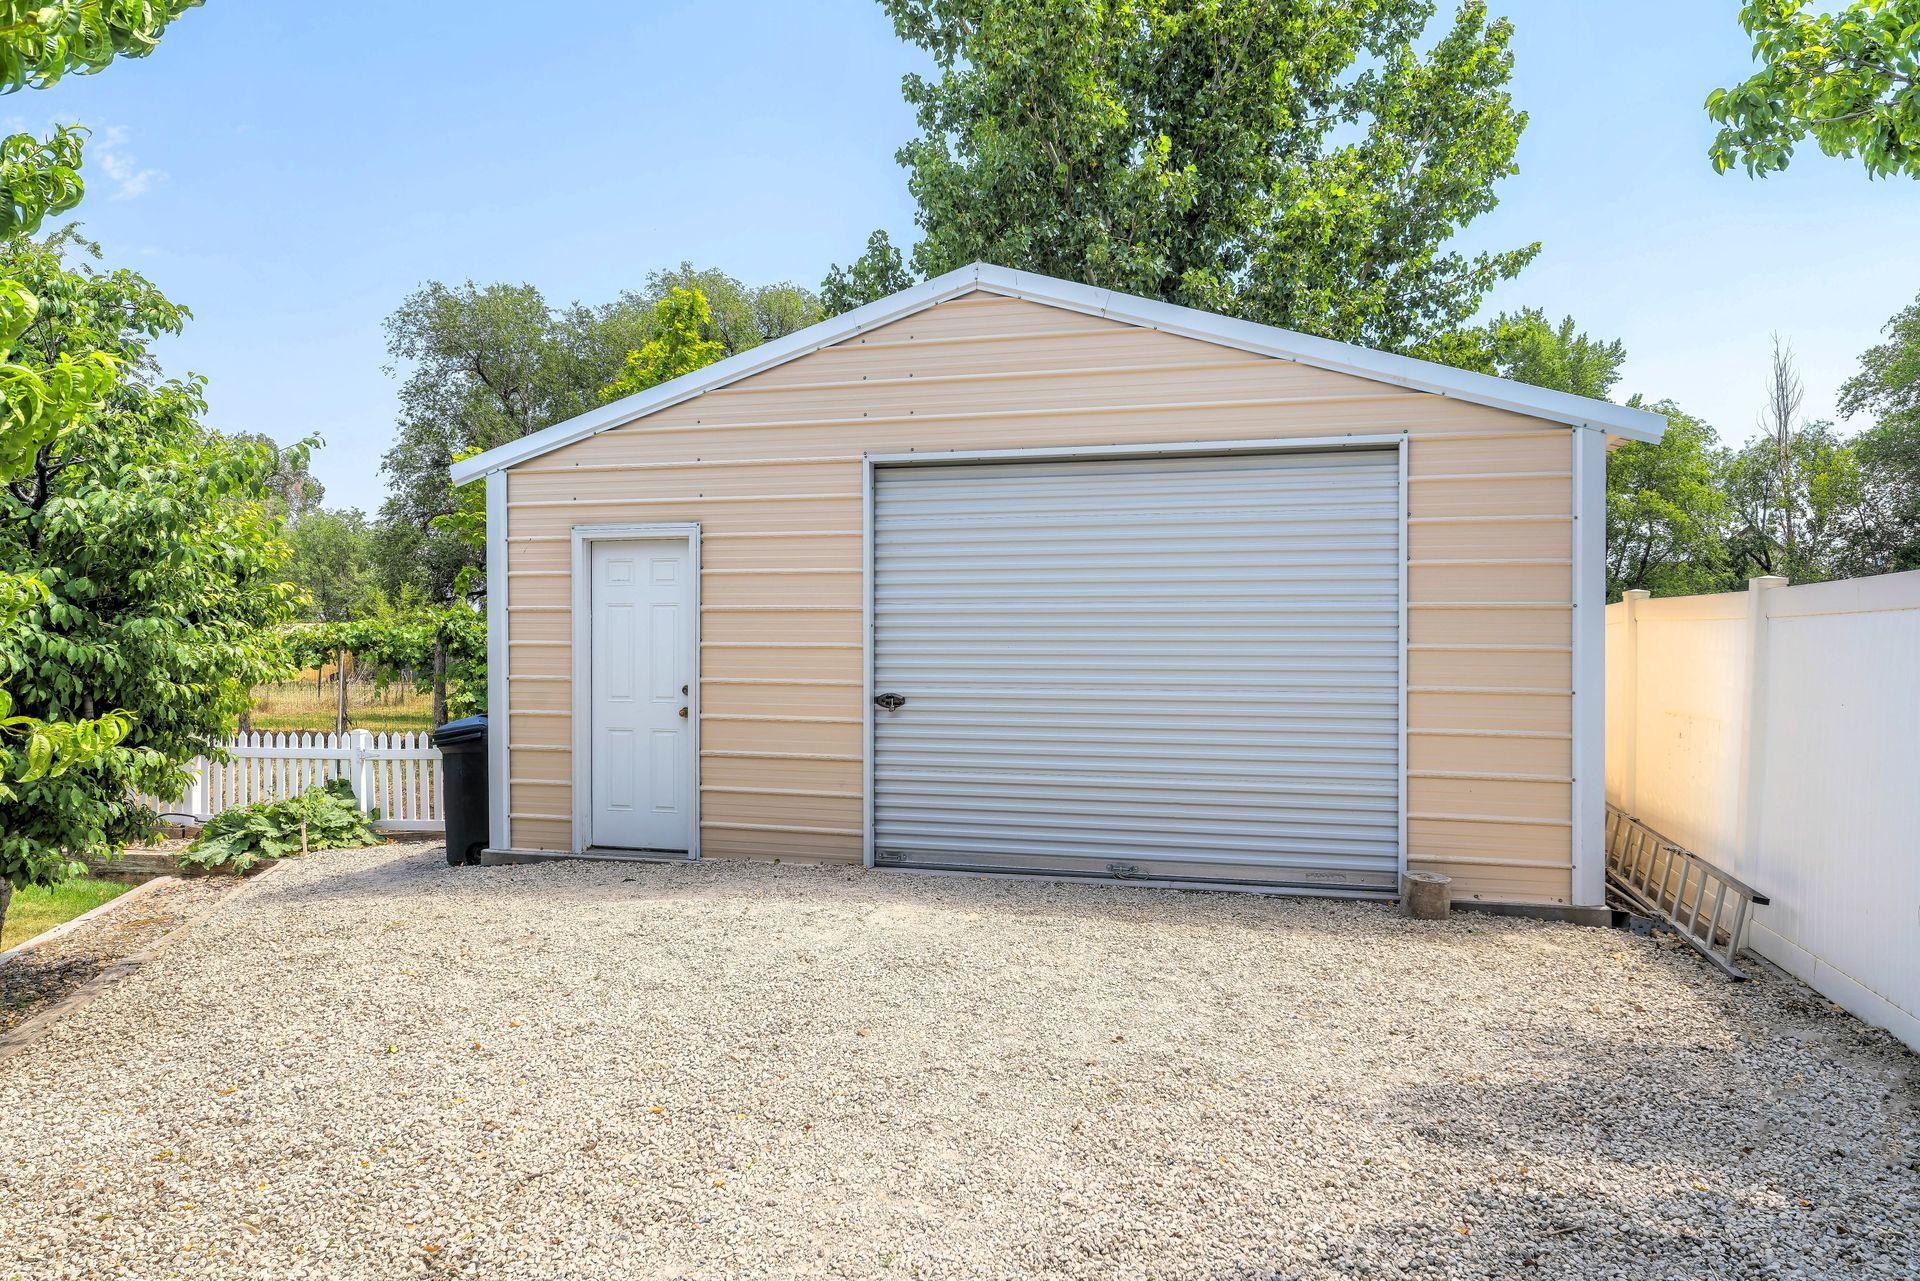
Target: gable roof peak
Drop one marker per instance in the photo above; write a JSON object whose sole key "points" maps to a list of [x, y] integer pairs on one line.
{"points": [[1245, 335]]}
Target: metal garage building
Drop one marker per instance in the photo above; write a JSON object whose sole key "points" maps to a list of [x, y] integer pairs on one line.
{"points": [[1009, 573]]}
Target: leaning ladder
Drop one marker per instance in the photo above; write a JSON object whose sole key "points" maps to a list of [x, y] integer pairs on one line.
{"points": [[1707, 907]]}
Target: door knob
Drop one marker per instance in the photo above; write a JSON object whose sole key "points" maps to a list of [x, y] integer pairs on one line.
{"points": [[683, 712]]}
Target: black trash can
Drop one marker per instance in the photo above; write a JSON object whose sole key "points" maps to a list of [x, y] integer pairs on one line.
{"points": [[463, 764]]}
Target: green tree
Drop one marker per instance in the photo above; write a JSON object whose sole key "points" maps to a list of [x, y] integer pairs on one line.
{"points": [[739, 316], [1526, 347], [1793, 509], [158, 542], [41, 401], [874, 275], [1297, 162], [1665, 510], [679, 345], [1848, 80], [488, 364], [330, 560], [1888, 387], [485, 365]]}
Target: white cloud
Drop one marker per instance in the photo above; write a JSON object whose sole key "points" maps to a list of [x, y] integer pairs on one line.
{"points": [[107, 150]]}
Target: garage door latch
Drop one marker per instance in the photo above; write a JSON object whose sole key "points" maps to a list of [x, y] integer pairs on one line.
{"points": [[891, 702]]}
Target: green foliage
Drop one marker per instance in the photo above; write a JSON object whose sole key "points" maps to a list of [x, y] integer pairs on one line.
{"points": [[742, 316], [321, 818], [679, 345], [875, 274], [1848, 80], [331, 562], [43, 40], [1888, 387], [1523, 346], [1665, 511], [489, 364], [397, 642], [1301, 163], [38, 178], [1794, 513], [45, 391], [157, 543]]}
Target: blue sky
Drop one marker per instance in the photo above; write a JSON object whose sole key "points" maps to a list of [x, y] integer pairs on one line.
{"points": [[290, 172]]}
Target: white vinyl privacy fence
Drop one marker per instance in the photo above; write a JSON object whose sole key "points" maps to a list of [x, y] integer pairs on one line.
{"points": [[1776, 732], [397, 774]]}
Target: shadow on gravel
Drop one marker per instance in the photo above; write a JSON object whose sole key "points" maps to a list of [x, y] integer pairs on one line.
{"points": [[1782, 1132]]}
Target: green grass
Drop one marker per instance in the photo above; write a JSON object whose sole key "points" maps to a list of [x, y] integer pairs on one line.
{"points": [[297, 707], [35, 911]]}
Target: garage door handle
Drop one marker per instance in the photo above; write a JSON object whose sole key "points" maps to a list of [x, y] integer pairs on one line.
{"points": [[892, 702]]}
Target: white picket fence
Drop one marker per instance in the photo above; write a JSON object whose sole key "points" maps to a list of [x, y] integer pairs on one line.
{"points": [[397, 774]]}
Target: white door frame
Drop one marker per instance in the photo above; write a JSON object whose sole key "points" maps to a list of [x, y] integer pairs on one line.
{"points": [[1174, 449], [582, 756]]}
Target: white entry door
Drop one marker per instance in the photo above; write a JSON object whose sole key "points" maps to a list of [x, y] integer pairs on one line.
{"points": [[642, 663]]}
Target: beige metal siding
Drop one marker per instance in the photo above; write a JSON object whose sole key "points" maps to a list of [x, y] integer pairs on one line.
{"points": [[770, 468]]}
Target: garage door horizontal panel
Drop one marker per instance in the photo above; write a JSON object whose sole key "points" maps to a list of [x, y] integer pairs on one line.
{"points": [[933, 546], [1327, 790], [1299, 623], [1323, 845], [1057, 492], [1184, 667], [1266, 772], [1279, 580], [1201, 823], [1235, 683], [1018, 661]]}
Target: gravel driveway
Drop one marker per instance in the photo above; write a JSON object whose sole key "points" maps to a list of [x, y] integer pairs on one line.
{"points": [[369, 1065]]}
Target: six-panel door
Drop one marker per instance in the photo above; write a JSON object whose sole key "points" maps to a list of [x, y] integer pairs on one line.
{"points": [[642, 611]]}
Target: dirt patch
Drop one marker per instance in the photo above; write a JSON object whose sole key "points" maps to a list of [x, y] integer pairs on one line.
{"points": [[32, 981]]}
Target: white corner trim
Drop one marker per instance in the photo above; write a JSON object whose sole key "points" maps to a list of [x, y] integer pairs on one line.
{"points": [[1245, 335], [866, 662], [1589, 792], [499, 721], [580, 756], [1406, 553]]}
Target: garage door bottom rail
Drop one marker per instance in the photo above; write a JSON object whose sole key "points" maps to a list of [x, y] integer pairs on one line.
{"points": [[1151, 871]]}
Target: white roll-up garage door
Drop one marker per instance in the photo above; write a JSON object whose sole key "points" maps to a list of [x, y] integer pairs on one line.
{"points": [[1154, 667]]}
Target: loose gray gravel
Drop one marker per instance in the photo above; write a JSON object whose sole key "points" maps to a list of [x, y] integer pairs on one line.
{"points": [[370, 1065]]}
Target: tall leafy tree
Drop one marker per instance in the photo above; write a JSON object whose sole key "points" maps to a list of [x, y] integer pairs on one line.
{"points": [[330, 560], [1666, 509], [40, 401], [739, 316], [1527, 347], [1848, 80], [158, 542], [680, 344], [1298, 162], [485, 365], [875, 274], [1888, 387], [1809, 483]]}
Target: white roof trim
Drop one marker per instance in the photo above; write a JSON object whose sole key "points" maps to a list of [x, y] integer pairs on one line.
{"points": [[1265, 340]]}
